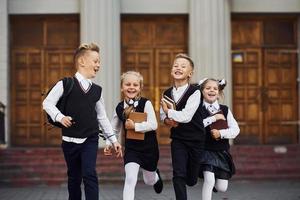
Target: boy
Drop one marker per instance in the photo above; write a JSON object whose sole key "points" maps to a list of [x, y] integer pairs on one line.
{"points": [[84, 114], [187, 130]]}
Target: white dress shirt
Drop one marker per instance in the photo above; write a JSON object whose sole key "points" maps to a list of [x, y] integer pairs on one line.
{"points": [[149, 125], [233, 129], [55, 94], [186, 114]]}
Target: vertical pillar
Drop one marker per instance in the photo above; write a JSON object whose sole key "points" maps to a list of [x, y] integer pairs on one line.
{"points": [[100, 23], [298, 78], [4, 75], [210, 41]]}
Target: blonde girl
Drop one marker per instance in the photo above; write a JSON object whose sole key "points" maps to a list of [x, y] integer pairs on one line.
{"points": [[138, 153]]}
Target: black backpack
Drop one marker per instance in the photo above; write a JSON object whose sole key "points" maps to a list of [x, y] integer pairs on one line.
{"points": [[68, 83]]}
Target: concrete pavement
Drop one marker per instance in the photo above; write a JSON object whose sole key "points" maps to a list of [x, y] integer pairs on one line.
{"points": [[238, 190]]}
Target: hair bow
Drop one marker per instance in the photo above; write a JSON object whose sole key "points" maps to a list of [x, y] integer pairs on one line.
{"points": [[222, 82], [202, 81]]}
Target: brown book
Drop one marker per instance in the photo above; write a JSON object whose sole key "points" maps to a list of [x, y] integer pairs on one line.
{"points": [[219, 124], [170, 102], [136, 117]]}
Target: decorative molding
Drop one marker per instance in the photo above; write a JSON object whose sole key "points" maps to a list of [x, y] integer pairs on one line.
{"points": [[154, 6], [43, 7], [266, 6]]}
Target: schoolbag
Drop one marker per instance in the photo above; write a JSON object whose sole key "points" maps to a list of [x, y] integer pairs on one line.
{"points": [[68, 83]]}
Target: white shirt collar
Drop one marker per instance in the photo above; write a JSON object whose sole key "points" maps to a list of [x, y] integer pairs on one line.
{"points": [[215, 105], [81, 78], [181, 88], [178, 92]]}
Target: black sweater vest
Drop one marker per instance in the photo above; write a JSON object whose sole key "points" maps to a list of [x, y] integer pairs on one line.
{"points": [[193, 130], [81, 107], [150, 140], [210, 143]]}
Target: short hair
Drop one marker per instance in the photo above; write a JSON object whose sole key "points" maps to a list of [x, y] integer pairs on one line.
{"points": [[83, 48], [185, 56]]}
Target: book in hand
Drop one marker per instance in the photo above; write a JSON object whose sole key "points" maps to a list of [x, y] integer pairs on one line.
{"points": [[136, 117], [170, 102], [219, 124]]}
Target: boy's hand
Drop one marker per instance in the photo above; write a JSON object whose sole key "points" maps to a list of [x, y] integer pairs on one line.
{"points": [[170, 122], [107, 150], [219, 117], [164, 106], [129, 124], [118, 149], [215, 134], [66, 121]]}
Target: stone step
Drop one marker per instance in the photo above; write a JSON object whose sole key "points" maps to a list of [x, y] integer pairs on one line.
{"points": [[46, 166]]}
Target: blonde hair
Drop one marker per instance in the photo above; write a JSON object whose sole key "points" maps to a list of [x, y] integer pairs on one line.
{"points": [[185, 56], [83, 48], [137, 74], [131, 108]]}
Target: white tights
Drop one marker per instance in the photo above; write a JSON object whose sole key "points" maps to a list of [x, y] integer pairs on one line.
{"points": [[210, 182], [131, 175]]}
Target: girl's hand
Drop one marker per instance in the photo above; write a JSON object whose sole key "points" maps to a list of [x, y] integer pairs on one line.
{"points": [[164, 106], [170, 122], [66, 121], [219, 117], [129, 124], [107, 150], [118, 149], [215, 134]]}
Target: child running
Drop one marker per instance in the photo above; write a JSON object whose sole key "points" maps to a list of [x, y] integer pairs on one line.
{"points": [[138, 153], [187, 130], [218, 166]]}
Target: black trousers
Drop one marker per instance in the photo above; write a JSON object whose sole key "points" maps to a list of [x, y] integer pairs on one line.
{"points": [[186, 157], [81, 163]]}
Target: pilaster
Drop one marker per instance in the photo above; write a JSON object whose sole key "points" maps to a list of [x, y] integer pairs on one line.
{"points": [[100, 23], [4, 68], [210, 40]]}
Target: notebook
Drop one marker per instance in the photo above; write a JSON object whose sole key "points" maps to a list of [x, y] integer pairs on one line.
{"points": [[136, 117], [219, 124], [170, 102]]}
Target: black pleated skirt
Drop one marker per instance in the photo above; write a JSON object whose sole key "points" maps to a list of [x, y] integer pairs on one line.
{"points": [[218, 162], [146, 160], [143, 152]]}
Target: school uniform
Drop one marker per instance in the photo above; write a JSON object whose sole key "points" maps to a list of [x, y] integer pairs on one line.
{"points": [[187, 138], [143, 152], [80, 141], [139, 153], [216, 157]]}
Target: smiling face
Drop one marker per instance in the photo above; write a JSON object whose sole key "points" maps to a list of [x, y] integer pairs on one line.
{"points": [[210, 91], [181, 70], [131, 85], [89, 64]]}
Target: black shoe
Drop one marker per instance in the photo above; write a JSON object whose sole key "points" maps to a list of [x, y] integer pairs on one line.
{"points": [[215, 190], [158, 186]]}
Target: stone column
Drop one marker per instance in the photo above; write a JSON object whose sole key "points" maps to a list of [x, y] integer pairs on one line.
{"points": [[100, 23], [298, 78], [4, 75], [210, 41]]}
